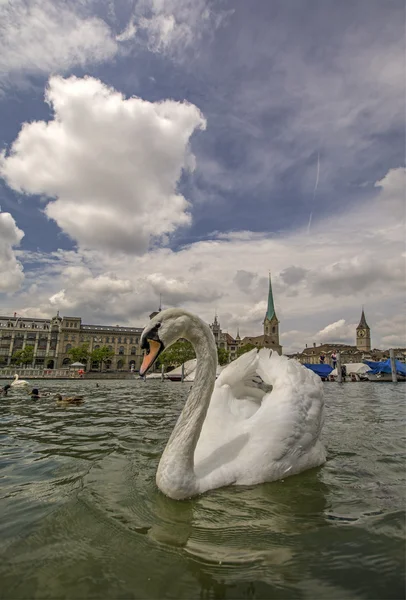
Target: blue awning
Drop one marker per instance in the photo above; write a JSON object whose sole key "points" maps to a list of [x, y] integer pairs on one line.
{"points": [[320, 370]]}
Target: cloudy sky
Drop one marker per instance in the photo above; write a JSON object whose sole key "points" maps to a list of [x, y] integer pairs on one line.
{"points": [[188, 147]]}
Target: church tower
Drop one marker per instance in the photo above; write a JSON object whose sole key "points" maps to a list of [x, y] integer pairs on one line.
{"points": [[363, 335], [215, 327], [271, 323]]}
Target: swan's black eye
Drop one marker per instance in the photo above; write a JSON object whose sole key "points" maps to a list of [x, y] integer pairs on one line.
{"points": [[152, 334]]}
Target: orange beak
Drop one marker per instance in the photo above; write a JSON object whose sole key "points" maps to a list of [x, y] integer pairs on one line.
{"points": [[150, 357]]}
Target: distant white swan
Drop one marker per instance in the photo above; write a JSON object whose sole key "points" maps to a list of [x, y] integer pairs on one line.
{"points": [[19, 382], [231, 432]]}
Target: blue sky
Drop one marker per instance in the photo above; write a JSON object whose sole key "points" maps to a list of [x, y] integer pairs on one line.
{"points": [[186, 148]]}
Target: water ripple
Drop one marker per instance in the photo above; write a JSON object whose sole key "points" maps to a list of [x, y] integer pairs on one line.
{"points": [[81, 515]]}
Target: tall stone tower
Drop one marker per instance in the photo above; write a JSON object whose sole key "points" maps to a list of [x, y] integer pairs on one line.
{"points": [[363, 335], [215, 327], [271, 323]]}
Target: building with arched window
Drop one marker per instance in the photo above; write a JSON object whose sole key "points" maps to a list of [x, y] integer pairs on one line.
{"points": [[51, 340]]}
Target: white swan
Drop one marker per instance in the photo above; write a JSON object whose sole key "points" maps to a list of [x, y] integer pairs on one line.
{"points": [[230, 431], [18, 382]]}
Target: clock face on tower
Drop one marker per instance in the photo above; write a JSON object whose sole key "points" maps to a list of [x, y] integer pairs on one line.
{"points": [[361, 333]]}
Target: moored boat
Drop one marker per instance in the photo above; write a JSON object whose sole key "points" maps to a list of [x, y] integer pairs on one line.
{"points": [[382, 371]]}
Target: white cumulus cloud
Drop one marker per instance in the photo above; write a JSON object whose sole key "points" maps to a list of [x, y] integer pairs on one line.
{"points": [[110, 164], [11, 271], [174, 27], [340, 331], [43, 36]]}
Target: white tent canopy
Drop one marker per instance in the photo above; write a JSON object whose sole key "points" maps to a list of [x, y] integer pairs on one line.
{"points": [[358, 368], [189, 370], [77, 364]]}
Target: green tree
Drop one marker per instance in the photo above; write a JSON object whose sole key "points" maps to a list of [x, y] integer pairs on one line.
{"points": [[79, 353], [222, 356], [23, 357], [16, 357], [177, 354], [245, 348], [100, 355]]}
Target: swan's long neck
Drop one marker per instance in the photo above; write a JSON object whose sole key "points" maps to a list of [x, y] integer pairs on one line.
{"points": [[175, 475]]}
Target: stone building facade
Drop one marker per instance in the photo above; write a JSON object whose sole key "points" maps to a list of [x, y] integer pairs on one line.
{"points": [[53, 338], [224, 340], [311, 355]]}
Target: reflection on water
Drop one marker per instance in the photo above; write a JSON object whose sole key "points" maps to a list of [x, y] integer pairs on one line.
{"points": [[81, 516]]}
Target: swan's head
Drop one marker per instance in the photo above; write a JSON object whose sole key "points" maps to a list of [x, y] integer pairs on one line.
{"points": [[163, 331]]}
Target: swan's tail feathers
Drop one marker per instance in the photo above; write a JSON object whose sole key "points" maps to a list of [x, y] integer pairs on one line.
{"points": [[241, 369], [279, 370]]}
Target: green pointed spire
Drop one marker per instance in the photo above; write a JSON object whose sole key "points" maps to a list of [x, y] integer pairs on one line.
{"points": [[271, 308]]}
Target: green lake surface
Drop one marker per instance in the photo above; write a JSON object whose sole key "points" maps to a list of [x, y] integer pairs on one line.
{"points": [[81, 517]]}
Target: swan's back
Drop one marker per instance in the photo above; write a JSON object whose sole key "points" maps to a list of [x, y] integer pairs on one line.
{"points": [[279, 434]]}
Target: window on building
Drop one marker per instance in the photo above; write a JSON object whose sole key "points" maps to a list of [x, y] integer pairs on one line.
{"points": [[119, 340], [133, 350], [68, 347], [273, 329], [121, 350]]}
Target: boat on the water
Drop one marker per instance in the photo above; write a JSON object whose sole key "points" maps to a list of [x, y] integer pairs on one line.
{"points": [[382, 371]]}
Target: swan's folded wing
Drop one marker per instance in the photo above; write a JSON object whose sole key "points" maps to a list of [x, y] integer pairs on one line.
{"points": [[241, 370], [294, 410]]}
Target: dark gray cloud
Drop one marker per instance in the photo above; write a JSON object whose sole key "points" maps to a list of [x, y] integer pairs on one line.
{"points": [[323, 80], [352, 277], [293, 275], [243, 280]]}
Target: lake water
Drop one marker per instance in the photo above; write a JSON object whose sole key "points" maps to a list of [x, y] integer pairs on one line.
{"points": [[81, 517]]}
